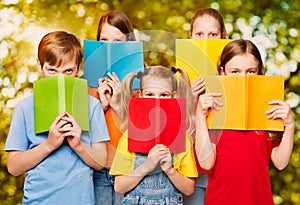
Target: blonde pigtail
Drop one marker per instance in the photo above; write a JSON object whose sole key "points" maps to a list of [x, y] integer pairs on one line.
{"points": [[184, 91], [126, 94]]}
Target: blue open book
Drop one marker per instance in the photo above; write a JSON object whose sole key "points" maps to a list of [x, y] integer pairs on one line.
{"points": [[121, 58]]}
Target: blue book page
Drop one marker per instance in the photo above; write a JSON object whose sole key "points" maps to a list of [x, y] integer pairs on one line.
{"points": [[95, 61], [125, 58], [121, 58]]}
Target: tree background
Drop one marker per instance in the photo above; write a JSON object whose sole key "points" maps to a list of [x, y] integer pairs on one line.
{"points": [[272, 25]]}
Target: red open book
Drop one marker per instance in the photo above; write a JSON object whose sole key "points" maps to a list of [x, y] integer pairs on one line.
{"points": [[154, 121]]}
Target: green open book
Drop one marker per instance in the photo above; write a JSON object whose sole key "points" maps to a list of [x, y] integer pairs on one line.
{"points": [[57, 94]]}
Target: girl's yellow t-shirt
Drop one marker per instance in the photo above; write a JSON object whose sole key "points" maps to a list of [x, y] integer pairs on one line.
{"points": [[123, 162]]}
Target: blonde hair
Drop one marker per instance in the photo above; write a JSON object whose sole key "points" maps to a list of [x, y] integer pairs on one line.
{"points": [[182, 89]]}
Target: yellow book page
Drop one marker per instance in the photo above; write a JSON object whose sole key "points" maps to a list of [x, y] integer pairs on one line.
{"points": [[232, 114], [261, 90], [199, 57]]}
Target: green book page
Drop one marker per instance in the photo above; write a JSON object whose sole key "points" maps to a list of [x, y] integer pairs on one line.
{"points": [[46, 106], [77, 100]]}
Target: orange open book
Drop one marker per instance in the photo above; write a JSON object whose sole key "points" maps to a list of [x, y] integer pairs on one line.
{"points": [[245, 100], [199, 57]]}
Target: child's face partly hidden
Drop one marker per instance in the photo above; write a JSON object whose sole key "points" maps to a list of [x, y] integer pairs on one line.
{"points": [[111, 34], [69, 68], [156, 88], [241, 65], [206, 27]]}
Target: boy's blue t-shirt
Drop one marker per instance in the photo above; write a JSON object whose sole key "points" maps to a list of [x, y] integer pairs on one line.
{"points": [[62, 177]]}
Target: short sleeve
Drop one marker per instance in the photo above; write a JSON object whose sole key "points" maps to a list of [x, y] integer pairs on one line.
{"points": [[185, 162], [214, 136], [17, 139], [98, 127], [123, 162]]}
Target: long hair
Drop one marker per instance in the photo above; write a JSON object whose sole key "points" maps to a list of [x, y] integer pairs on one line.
{"points": [[213, 13], [239, 47], [182, 89], [58, 47], [118, 20]]}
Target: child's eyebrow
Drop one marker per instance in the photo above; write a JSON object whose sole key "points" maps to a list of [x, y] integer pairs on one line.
{"points": [[51, 67], [71, 68]]}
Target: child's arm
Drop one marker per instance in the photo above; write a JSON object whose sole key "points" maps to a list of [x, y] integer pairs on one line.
{"points": [[94, 155], [184, 184], [205, 149], [281, 154], [19, 162], [125, 183]]}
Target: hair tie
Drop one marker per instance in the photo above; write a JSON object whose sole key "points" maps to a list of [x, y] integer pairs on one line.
{"points": [[174, 70], [139, 75]]}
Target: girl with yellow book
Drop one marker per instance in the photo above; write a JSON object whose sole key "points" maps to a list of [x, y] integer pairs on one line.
{"points": [[207, 23]]}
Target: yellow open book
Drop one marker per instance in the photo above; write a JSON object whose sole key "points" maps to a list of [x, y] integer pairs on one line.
{"points": [[199, 57], [245, 100]]}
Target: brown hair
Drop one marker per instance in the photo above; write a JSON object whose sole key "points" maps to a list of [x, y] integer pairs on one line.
{"points": [[118, 20], [238, 47], [213, 13], [182, 88], [58, 47]]}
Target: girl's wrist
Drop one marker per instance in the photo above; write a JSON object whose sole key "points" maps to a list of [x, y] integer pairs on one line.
{"points": [[289, 127], [170, 171]]}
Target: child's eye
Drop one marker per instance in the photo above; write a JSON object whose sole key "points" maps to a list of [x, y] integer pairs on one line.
{"points": [[165, 95], [199, 34], [68, 71], [149, 94], [51, 70], [103, 39], [252, 71], [235, 72]]}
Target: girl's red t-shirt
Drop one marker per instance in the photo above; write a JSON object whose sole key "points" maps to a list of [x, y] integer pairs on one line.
{"points": [[240, 174]]}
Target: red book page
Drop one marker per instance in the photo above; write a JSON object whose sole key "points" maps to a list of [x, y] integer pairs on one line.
{"points": [[156, 121]]}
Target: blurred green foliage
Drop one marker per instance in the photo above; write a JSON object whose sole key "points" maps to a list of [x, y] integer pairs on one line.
{"points": [[273, 25]]}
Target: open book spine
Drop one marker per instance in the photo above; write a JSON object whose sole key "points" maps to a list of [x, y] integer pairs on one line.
{"points": [[61, 94], [108, 57]]}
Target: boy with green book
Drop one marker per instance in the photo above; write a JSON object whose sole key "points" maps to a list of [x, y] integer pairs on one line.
{"points": [[58, 163]]}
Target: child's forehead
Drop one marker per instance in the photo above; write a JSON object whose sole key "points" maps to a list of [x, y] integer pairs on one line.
{"points": [[63, 60], [158, 83]]}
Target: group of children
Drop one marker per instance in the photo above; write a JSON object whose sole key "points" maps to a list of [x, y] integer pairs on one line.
{"points": [[69, 166]]}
